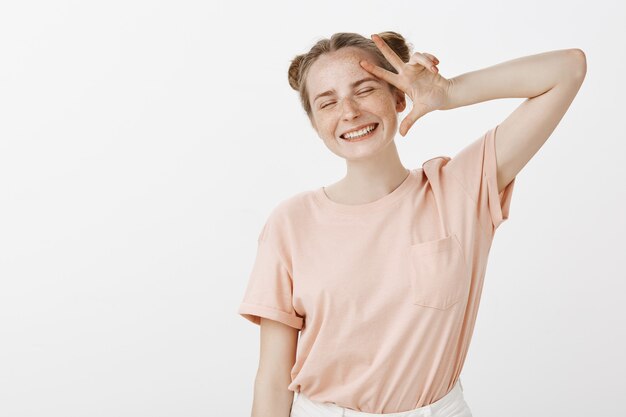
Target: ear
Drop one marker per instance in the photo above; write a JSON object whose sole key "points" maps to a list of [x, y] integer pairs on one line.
{"points": [[400, 100]]}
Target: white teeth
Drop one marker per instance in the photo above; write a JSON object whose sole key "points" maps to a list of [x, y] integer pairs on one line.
{"points": [[361, 132]]}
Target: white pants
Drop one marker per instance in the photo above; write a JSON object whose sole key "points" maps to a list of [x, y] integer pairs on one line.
{"points": [[450, 405]]}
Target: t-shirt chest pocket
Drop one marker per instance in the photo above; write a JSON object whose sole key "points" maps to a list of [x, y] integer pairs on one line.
{"points": [[438, 274]]}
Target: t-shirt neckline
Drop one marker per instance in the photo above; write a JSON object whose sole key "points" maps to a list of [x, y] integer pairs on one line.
{"points": [[385, 201]]}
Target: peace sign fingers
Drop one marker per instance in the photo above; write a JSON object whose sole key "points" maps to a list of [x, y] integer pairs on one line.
{"points": [[390, 77], [419, 78], [388, 53]]}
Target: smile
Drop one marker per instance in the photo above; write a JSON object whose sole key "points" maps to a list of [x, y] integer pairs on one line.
{"points": [[361, 134]]}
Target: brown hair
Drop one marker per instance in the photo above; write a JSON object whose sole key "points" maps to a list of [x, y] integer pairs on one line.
{"points": [[299, 68]]}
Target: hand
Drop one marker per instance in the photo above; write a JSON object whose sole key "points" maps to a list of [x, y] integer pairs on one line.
{"points": [[419, 79]]}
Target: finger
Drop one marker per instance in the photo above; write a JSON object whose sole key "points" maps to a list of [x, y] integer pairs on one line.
{"points": [[418, 58], [432, 58], [434, 61], [410, 119], [390, 77], [388, 53]]}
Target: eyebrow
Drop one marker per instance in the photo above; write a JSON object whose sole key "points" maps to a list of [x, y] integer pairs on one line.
{"points": [[354, 84]]}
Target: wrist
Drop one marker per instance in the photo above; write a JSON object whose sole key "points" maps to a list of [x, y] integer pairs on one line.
{"points": [[448, 87]]}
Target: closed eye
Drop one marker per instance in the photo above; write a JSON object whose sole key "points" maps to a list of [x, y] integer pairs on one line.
{"points": [[367, 90]]}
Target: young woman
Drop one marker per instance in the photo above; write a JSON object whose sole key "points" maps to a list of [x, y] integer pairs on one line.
{"points": [[381, 272]]}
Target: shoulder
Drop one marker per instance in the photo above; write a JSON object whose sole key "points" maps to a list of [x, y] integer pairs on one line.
{"points": [[288, 213], [293, 205], [433, 167]]}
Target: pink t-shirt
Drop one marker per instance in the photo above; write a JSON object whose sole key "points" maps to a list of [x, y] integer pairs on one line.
{"points": [[385, 293]]}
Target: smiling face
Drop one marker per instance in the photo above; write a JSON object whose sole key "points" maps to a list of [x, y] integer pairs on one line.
{"points": [[345, 97]]}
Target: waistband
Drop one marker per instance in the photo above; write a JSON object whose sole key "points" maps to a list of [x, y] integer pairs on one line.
{"points": [[453, 396]]}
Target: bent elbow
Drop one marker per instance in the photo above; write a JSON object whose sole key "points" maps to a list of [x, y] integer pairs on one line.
{"points": [[579, 64]]}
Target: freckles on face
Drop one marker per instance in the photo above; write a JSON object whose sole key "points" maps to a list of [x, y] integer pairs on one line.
{"points": [[347, 105]]}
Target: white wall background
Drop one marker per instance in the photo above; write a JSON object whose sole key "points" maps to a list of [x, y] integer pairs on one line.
{"points": [[143, 144]]}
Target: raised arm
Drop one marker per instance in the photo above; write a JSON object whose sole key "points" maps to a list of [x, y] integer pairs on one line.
{"points": [[549, 80]]}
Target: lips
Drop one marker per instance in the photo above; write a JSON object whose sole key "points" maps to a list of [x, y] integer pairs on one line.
{"points": [[358, 128]]}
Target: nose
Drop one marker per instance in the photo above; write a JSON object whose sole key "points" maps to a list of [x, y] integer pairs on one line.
{"points": [[350, 109]]}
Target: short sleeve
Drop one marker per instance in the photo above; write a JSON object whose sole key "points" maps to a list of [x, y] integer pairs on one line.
{"points": [[475, 168], [269, 292]]}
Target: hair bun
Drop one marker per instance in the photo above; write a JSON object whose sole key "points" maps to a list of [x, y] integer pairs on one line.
{"points": [[294, 72]]}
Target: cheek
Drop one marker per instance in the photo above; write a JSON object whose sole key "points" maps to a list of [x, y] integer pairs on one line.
{"points": [[327, 126], [381, 101]]}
